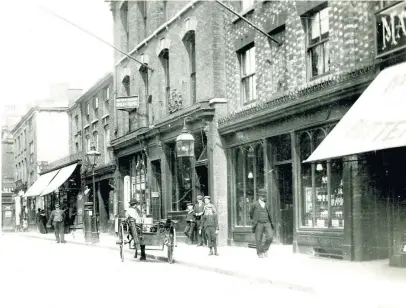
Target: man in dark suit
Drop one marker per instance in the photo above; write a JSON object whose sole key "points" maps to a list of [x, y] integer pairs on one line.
{"points": [[261, 224]]}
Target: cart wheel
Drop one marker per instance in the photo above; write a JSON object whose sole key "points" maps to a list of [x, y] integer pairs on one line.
{"points": [[170, 249], [121, 238]]}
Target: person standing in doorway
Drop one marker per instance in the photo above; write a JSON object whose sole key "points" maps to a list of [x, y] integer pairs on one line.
{"points": [[261, 224], [199, 209], [190, 223], [57, 218]]}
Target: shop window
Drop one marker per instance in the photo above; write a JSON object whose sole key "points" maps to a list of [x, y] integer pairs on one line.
{"points": [[321, 185], [138, 182], [249, 176], [318, 49], [181, 171], [248, 79]]}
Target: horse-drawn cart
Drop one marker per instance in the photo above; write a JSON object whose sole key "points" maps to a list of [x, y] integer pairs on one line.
{"points": [[156, 236]]}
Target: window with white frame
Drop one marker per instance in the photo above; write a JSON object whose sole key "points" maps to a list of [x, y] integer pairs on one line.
{"points": [[246, 4], [77, 122], [248, 79], [96, 140], [31, 152], [106, 145], [88, 111], [88, 143], [107, 93], [318, 50]]}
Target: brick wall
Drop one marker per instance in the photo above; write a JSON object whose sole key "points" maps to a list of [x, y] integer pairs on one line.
{"points": [[105, 111], [210, 67], [284, 68]]}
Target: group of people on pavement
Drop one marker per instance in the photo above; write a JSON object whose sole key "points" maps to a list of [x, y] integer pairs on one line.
{"points": [[202, 223], [202, 219]]}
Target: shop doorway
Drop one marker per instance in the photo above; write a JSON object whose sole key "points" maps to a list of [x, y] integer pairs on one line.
{"points": [[156, 191], [202, 180], [282, 187], [283, 178]]}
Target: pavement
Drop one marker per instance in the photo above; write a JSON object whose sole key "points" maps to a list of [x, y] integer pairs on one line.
{"points": [[373, 283]]}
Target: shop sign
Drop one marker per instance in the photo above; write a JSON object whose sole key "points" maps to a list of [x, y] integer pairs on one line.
{"points": [[155, 194], [390, 29], [127, 103]]}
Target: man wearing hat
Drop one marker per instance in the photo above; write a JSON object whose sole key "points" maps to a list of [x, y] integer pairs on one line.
{"points": [[261, 224], [199, 210], [57, 218], [133, 215], [207, 203], [190, 223]]}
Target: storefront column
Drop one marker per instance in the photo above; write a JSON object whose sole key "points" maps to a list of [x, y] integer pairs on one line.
{"points": [[218, 177], [295, 188], [166, 183]]}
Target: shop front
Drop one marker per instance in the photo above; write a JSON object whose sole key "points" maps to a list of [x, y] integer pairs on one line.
{"points": [[104, 184], [63, 188], [151, 169], [267, 147], [372, 137]]}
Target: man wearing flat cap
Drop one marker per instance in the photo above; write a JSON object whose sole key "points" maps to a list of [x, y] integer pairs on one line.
{"points": [[261, 224], [190, 223], [133, 215], [57, 218], [207, 203], [199, 210]]}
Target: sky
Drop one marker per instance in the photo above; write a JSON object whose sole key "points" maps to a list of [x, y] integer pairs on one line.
{"points": [[38, 49]]}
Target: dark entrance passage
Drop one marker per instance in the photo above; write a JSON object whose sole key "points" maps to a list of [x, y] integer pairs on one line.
{"points": [[283, 176]]}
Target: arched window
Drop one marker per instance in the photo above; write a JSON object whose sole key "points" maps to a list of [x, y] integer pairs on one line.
{"points": [[249, 177], [321, 185], [240, 187]]}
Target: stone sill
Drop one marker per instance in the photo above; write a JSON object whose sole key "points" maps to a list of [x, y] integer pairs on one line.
{"points": [[243, 14]]}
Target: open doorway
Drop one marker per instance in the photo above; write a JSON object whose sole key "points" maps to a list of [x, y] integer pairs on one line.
{"points": [[282, 179]]}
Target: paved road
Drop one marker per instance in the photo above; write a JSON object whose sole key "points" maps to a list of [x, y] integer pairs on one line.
{"points": [[38, 273]]}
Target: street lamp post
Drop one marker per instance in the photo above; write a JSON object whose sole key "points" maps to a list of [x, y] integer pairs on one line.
{"points": [[92, 157]]}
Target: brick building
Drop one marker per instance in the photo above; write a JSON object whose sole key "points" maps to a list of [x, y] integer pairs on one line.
{"points": [[179, 79], [70, 177], [284, 98], [7, 180]]}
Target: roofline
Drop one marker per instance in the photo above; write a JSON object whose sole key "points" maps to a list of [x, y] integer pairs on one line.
{"points": [[93, 89], [30, 112]]}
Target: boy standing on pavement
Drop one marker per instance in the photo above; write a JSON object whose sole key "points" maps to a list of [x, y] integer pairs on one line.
{"points": [[190, 223], [57, 218], [210, 225], [199, 209]]}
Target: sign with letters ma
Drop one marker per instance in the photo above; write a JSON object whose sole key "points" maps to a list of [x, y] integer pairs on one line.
{"points": [[391, 29]]}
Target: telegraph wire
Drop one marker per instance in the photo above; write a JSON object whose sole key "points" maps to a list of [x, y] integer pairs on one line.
{"points": [[93, 35]]}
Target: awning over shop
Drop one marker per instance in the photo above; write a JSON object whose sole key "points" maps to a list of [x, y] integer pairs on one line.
{"points": [[59, 179], [39, 185], [376, 121]]}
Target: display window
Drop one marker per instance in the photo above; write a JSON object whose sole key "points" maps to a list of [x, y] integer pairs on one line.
{"points": [[249, 177], [321, 183]]}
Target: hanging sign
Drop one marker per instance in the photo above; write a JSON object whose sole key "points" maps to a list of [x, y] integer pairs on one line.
{"points": [[127, 103], [390, 29]]}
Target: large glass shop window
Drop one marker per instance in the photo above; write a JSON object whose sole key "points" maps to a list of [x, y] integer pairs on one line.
{"points": [[321, 185], [139, 180], [249, 177]]}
